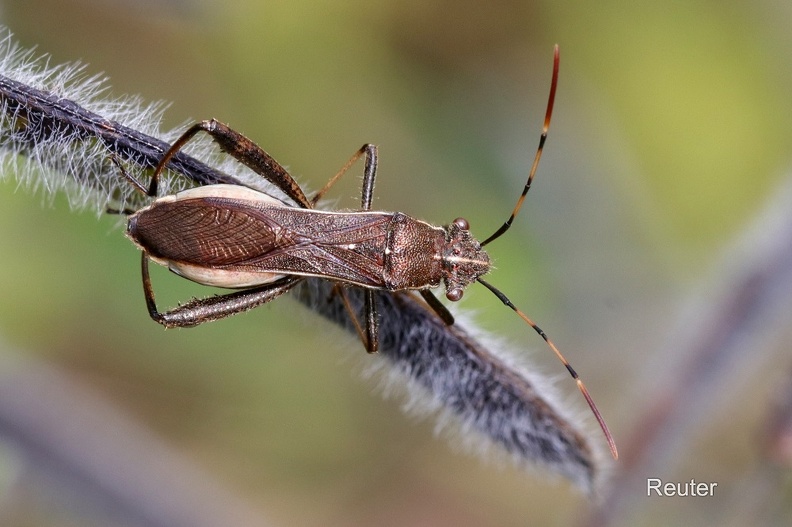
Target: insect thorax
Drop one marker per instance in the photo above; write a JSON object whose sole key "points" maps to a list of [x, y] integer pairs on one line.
{"points": [[413, 250]]}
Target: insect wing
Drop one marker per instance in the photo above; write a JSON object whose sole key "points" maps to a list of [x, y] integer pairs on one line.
{"points": [[239, 235], [199, 232], [349, 247]]}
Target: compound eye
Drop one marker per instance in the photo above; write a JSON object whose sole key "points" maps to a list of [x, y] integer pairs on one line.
{"points": [[462, 223], [454, 294]]}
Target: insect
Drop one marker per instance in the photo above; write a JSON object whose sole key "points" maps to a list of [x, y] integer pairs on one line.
{"points": [[236, 237]]}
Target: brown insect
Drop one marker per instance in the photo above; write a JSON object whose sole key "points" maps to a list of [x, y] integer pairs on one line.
{"points": [[237, 237]]}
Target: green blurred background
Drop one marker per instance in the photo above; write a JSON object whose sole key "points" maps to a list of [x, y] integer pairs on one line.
{"points": [[673, 124]]}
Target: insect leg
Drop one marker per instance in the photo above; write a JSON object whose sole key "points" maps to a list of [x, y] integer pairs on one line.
{"points": [[437, 307], [135, 182], [369, 338], [372, 322], [367, 193], [243, 150], [129, 177], [198, 311], [369, 171], [369, 175]]}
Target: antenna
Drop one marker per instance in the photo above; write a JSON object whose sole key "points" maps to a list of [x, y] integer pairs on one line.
{"points": [[548, 114], [503, 298], [582, 387]]}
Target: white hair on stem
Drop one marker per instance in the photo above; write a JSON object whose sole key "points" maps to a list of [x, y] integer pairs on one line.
{"points": [[483, 397], [60, 129]]}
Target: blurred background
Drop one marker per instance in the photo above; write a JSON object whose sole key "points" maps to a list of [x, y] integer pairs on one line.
{"points": [[671, 132]]}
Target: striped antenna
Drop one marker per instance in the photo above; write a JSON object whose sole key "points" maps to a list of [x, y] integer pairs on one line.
{"points": [[548, 114], [582, 387], [503, 298]]}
